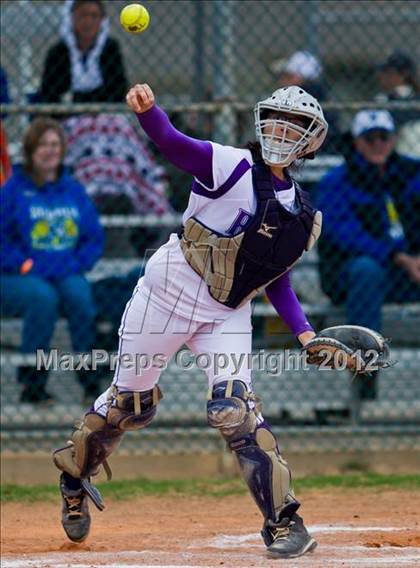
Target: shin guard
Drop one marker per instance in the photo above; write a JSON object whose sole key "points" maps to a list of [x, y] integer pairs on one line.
{"points": [[232, 408], [94, 439]]}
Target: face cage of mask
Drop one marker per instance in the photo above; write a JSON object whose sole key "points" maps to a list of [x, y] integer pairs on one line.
{"points": [[283, 150]]}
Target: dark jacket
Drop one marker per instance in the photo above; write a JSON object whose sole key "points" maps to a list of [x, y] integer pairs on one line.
{"points": [[356, 211], [56, 225], [56, 78], [402, 94]]}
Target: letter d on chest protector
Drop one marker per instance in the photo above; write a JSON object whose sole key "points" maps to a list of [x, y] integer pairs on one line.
{"points": [[236, 268]]}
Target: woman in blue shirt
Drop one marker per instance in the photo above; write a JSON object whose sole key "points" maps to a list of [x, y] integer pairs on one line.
{"points": [[50, 236]]}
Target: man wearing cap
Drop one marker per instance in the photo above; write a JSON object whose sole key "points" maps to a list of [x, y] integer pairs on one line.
{"points": [[397, 78], [370, 248], [398, 82]]}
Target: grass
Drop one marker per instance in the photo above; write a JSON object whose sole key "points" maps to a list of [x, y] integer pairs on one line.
{"points": [[360, 480], [119, 490]]}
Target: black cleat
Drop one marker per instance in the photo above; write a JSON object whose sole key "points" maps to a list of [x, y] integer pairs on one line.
{"points": [[75, 516], [288, 539]]}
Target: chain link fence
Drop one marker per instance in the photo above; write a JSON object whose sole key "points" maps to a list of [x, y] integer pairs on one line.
{"points": [[208, 62]]}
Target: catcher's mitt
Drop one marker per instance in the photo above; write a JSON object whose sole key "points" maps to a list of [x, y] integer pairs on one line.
{"points": [[352, 347]]}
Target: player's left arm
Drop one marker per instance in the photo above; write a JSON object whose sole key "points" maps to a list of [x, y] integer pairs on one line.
{"points": [[284, 299]]}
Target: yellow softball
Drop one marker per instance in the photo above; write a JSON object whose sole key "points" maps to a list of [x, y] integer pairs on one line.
{"points": [[134, 18]]}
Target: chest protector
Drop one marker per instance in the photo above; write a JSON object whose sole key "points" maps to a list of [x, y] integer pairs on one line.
{"points": [[237, 268]]}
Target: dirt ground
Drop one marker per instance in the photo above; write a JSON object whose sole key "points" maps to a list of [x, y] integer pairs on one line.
{"points": [[354, 528]]}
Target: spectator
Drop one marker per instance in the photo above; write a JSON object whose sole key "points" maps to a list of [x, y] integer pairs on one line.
{"points": [[397, 79], [104, 151], [305, 70], [120, 174], [369, 251], [86, 62], [50, 235], [5, 166]]}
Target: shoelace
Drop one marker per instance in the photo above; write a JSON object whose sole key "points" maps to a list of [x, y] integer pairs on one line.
{"points": [[74, 505], [282, 532]]}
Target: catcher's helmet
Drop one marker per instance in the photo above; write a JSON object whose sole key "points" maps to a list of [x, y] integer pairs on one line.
{"points": [[284, 149]]}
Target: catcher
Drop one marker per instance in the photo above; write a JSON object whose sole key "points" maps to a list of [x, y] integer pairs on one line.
{"points": [[247, 222]]}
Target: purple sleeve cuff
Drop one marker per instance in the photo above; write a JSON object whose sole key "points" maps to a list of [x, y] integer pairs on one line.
{"points": [[186, 153], [284, 300]]}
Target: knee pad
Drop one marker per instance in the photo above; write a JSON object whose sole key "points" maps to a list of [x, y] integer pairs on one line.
{"points": [[233, 410], [94, 439], [133, 410]]}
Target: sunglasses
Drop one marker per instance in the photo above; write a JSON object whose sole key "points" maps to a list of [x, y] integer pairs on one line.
{"points": [[372, 137]]}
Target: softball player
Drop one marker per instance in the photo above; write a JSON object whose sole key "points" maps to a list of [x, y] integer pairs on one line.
{"points": [[247, 222]]}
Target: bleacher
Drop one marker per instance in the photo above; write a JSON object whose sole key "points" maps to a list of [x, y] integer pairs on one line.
{"points": [[295, 395]]}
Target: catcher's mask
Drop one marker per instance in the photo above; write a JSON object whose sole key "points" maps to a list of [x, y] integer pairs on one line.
{"points": [[293, 140]]}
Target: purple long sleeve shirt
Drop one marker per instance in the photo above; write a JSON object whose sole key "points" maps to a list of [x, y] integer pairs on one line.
{"points": [[195, 157]]}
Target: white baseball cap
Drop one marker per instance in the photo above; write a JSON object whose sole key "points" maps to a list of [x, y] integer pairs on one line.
{"points": [[367, 120], [302, 63], [305, 64]]}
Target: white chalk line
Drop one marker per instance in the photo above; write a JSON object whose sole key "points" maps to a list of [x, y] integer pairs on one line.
{"points": [[407, 560], [380, 555], [308, 561], [240, 541], [35, 564], [346, 528]]}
